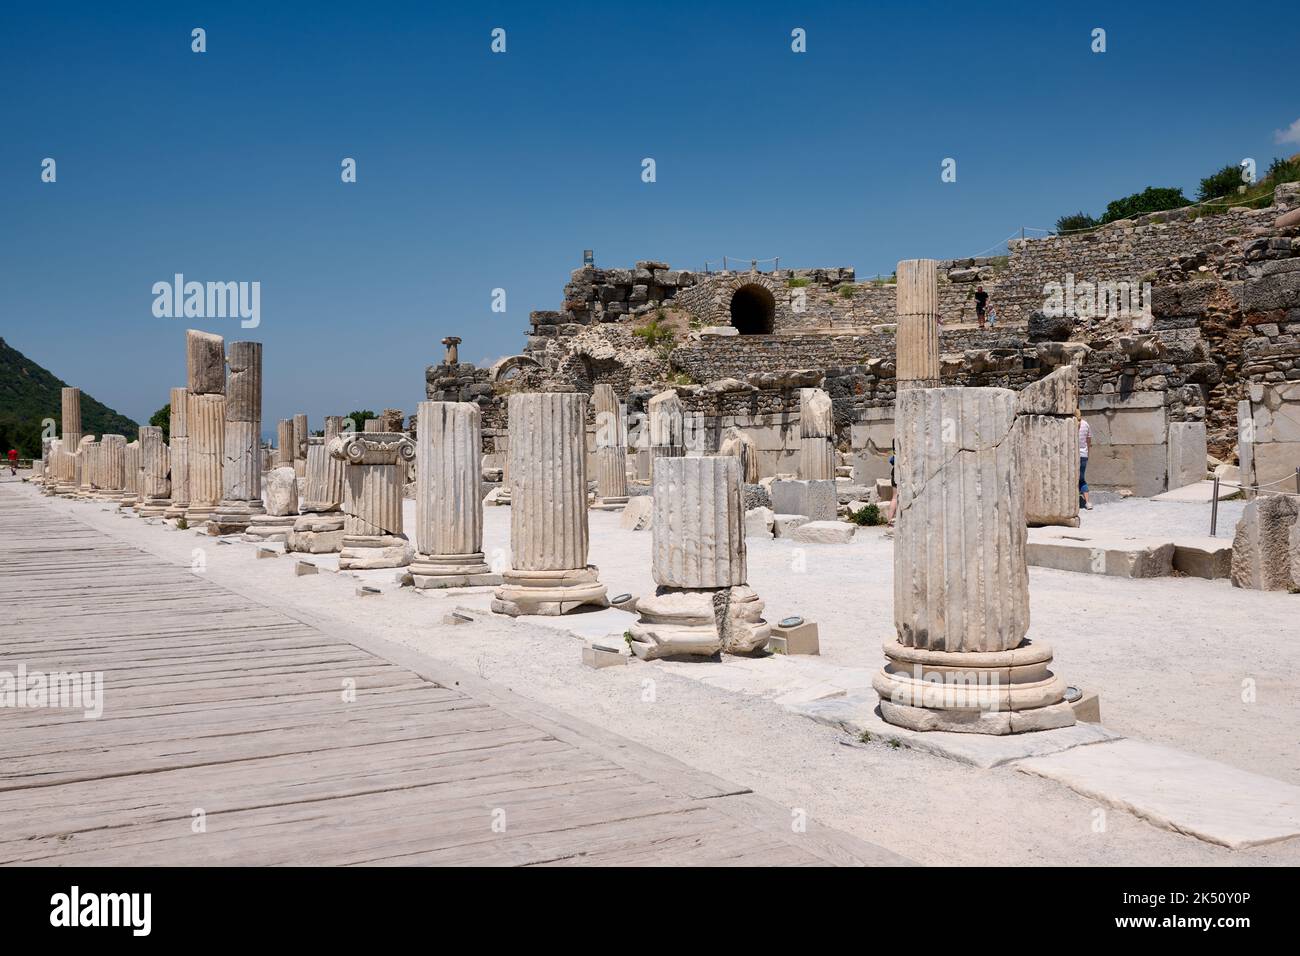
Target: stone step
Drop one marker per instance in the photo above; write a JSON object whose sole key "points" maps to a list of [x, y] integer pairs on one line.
{"points": [[1198, 492], [1178, 791]]}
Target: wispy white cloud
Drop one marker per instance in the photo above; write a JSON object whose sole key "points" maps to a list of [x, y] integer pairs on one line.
{"points": [[1289, 135]]}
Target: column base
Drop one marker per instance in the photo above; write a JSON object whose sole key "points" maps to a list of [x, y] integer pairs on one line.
{"points": [[699, 622], [978, 692], [269, 528], [176, 511], [152, 507], [550, 593], [197, 515], [230, 517], [128, 503], [316, 533], [452, 571], [609, 504], [362, 552]]}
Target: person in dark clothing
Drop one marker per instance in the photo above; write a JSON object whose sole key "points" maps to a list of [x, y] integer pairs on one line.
{"points": [[981, 300]]}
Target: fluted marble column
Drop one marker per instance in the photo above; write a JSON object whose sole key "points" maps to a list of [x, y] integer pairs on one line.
{"points": [[205, 422], [179, 451], [89, 462], [961, 586], [155, 491], [113, 465], [372, 502], [816, 435], [71, 422], [131, 475], [666, 415], [703, 603], [1049, 443], [242, 466], [301, 438], [736, 444], [611, 450], [449, 498], [548, 510], [917, 336], [319, 529], [284, 443]]}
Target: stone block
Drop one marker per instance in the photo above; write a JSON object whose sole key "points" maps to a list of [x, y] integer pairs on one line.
{"points": [[797, 639], [884, 489], [1056, 394], [817, 500], [301, 568], [1049, 448], [1100, 553], [1128, 426], [1203, 557], [758, 522], [1087, 709], [638, 515], [824, 532], [784, 525], [1261, 547], [597, 656], [1186, 453], [1139, 468]]}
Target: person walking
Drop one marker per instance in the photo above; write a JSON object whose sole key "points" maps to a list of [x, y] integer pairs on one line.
{"points": [[1085, 444], [981, 300], [13, 461]]}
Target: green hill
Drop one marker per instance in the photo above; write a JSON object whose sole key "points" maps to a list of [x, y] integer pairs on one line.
{"points": [[29, 394]]}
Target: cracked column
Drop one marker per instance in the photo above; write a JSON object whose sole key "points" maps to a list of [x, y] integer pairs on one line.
{"points": [[449, 498], [703, 603], [156, 486], [917, 335], [375, 465], [205, 360], [70, 419], [319, 529], [179, 446], [548, 512], [816, 435], [667, 427], [611, 451], [242, 455]]}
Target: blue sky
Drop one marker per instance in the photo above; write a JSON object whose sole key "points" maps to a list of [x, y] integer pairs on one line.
{"points": [[479, 170]]}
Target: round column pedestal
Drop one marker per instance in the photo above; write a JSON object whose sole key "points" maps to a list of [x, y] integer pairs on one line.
{"points": [[548, 592], [362, 552], [979, 692], [316, 533], [452, 571], [697, 622]]}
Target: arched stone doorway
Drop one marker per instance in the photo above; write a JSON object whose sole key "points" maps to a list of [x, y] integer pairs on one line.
{"points": [[753, 310]]}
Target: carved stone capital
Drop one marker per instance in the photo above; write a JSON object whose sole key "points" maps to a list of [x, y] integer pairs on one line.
{"points": [[372, 448]]}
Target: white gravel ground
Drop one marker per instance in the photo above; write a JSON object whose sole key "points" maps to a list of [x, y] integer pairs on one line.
{"points": [[1169, 657]]}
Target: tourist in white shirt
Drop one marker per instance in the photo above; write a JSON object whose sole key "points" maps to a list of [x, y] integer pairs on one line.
{"points": [[1085, 443]]}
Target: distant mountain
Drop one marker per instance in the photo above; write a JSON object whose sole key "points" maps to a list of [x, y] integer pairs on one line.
{"points": [[29, 394]]}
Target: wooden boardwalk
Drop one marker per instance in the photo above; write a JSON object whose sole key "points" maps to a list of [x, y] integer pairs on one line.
{"points": [[225, 739]]}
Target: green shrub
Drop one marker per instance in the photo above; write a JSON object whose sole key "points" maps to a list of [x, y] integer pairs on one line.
{"points": [[868, 515], [1151, 199], [655, 333], [1284, 171], [847, 291], [798, 282], [1080, 220], [163, 419], [360, 418], [1223, 183]]}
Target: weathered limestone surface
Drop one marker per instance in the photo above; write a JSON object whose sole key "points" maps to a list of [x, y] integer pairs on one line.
{"points": [[155, 490], [205, 421], [179, 441], [737, 444], [131, 474], [703, 604], [548, 512], [448, 506], [70, 399], [816, 435], [280, 496], [319, 530], [1261, 547], [1187, 448], [375, 466], [665, 414], [816, 500], [242, 456], [284, 443], [611, 449], [301, 437], [918, 321], [961, 586], [1050, 455], [1056, 394], [89, 461], [113, 465]]}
